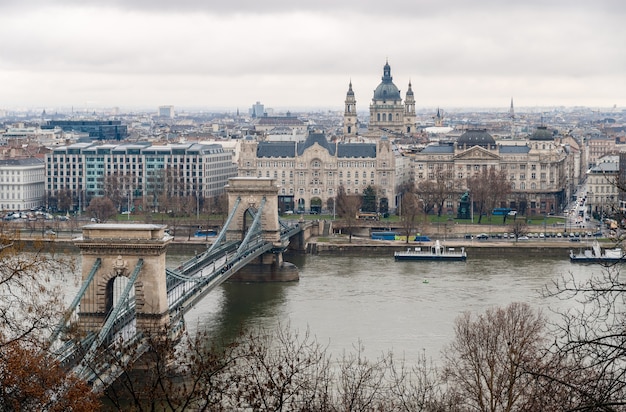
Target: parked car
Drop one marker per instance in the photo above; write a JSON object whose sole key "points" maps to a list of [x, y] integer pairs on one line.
{"points": [[482, 236], [523, 238]]}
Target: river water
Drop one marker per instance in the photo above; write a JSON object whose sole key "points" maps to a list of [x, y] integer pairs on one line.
{"points": [[406, 307]]}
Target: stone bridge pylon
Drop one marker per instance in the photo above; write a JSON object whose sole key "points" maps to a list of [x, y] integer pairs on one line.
{"points": [[253, 192], [119, 253]]}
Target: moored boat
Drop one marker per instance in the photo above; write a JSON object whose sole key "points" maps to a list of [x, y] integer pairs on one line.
{"points": [[435, 252], [596, 255]]}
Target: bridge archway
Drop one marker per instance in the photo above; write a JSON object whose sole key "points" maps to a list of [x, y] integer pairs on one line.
{"points": [[248, 219], [114, 289]]}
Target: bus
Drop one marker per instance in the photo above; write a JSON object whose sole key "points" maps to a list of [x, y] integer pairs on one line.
{"points": [[386, 235], [205, 233], [501, 211], [367, 216]]}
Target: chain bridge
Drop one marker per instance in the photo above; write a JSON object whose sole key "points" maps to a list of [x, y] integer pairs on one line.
{"points": [[128, 292]]}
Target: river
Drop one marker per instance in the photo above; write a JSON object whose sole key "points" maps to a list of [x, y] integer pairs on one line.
{"points": [[406, 307]]}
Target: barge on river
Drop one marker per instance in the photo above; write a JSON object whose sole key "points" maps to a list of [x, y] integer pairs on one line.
{"points": [[596, 255], [436, 252]]}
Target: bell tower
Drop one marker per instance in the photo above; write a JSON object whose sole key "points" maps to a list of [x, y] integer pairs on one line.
{"points": [[349, 115], [410, 118]]}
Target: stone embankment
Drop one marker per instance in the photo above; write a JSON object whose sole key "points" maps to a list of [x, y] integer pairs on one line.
{"points": [[362, 246], [475, 248]]}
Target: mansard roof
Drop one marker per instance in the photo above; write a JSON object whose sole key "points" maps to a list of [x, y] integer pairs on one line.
{"points": [[439, 149], [279, 120], [320, 139], [276, 149], [367, 150], [293, 149], [28, 161], [514, 149]]}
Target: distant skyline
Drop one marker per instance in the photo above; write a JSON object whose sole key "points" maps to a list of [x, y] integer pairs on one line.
{"points": [[143, 54]]}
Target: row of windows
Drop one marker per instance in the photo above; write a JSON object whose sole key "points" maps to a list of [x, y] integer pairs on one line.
{"points": [[315, 164], [19, 196], [476, 167], [386, 117], [533, 186]]}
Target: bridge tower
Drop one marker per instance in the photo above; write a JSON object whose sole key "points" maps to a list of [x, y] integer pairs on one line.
{"points": [[124, 252], [252, 192]]}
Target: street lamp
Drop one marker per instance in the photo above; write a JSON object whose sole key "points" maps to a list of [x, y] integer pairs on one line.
{"points": [[197, 206]]}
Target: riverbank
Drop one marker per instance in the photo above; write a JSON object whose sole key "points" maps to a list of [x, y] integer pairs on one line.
{"points": [[534, 248], [360, 246]]}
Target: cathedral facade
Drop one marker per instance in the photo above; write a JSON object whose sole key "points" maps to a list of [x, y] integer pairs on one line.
{"points": [[389, 115]]}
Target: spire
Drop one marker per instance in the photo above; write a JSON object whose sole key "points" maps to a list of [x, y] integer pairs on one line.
{"points": [[387, 72], [350, 92], [410, 91], [511, 110]]}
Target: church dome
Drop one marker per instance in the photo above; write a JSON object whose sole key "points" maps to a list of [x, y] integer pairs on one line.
{"points": [[386, 90], [542, 133], [477, 137]]}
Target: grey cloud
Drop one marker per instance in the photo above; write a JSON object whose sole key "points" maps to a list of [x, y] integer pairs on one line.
{"points": [[388, 8]]}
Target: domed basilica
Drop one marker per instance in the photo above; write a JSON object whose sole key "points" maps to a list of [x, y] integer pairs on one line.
{"points": [[388, 114]]}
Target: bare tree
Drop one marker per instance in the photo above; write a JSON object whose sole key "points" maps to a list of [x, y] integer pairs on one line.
{"points": [[31, 304], [113, 189], [487, 365], [101, 208], [487, 188], [64, 200], [410, 212], [442, 188], [591, 337], [519, 229], [347, 208], [427, 192]]}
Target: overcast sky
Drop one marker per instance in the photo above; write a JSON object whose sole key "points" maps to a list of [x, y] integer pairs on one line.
{"points": [[291, 54]]}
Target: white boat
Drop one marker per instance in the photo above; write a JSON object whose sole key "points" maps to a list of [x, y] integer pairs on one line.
{"points": [[435, 252], [596, 255]]}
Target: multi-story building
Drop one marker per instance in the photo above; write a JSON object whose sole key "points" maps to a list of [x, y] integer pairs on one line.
{"points": [[140, 170], [22, 183], [289, 124], [166, 112], [388, 113], [536, 170], [309, 173], [257, 110], [603, 186], [96, 129], [599, 146]]}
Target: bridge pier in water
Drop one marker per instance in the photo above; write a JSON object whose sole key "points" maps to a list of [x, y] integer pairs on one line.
{"points": [[121, 253], [268, 267]]}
